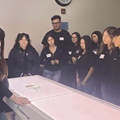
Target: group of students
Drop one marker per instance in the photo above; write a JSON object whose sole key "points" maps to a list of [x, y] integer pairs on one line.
{"points": [[89, 64]]}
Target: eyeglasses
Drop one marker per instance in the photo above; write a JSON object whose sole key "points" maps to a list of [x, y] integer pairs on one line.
{"points": [[55, 23]]}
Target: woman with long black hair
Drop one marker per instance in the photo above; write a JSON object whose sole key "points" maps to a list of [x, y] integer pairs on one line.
{"points": [[85, 66], [96, 40], [72, 53], [23, 59], [4, 91]]}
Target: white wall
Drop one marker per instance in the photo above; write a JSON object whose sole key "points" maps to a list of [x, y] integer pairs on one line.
{"points": [[33, 17]]}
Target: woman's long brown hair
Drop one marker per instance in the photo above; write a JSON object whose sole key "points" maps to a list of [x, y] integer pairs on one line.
{"points": [[110, 31], [3, 65]]}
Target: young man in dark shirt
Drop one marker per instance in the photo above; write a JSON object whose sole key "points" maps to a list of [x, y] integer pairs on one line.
{"points": [[62, 37]]}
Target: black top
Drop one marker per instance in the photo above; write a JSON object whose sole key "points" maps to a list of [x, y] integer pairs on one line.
{"points": [[46, 57], [62, 39], [104, 66], [84, 62], [4, 91], [22, 62], [72, 51]]}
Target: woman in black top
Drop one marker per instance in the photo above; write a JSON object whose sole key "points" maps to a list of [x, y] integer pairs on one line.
{"points": [[96, 41], [71, 57], [4, 91], [104, 61], [23, 59], [51, 58], [85, 66]]}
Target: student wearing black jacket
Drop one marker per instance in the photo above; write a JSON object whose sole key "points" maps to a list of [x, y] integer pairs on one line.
{"points": [[104, 61], [85, 66], [51, 59], [23, 58], [71, 57], [4, 91]]}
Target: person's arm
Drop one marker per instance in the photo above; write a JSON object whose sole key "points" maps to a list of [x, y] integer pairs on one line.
{"points": [[4, 91], [77, 79], [88, 75]]}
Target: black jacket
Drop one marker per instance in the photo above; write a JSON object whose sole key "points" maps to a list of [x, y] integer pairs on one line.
{"points": [[46, 57], [22, 62]]}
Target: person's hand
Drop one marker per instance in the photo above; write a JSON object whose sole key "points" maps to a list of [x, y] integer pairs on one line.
{"points": [[83, 83], [57, 61], [52, 62], [78, 81], [22, 101], [25, 75], [74, 60]]}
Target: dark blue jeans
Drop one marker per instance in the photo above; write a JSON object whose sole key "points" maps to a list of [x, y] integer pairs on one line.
{"points": [[53, 75], [3, 116]]}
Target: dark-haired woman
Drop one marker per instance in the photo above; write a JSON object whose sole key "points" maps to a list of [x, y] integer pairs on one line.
{"points": [[104, 60], [4, 91], [51, 59], [96, 41], [23, 59], [85, 66], [71, 57]]}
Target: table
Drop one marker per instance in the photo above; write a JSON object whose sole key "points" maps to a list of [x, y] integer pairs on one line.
{"points": [[54, 101]]}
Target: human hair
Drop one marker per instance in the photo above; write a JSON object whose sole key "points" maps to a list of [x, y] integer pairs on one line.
{"points": [[88, 43], [110, 31], [49, 35], [116, 32], [78, 37], [19, 37], [56, 17], [98, 33], [3, 65]]}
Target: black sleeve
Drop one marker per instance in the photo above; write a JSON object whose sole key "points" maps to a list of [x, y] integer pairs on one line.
{"points": [[69, 41], [4, 91], [36, 65], [13, 70], [42, 57], [44, 41]]}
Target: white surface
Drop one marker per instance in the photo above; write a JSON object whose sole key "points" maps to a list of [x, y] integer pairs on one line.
{"points": [[58, 102], [76, 107], [47, 88]]}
